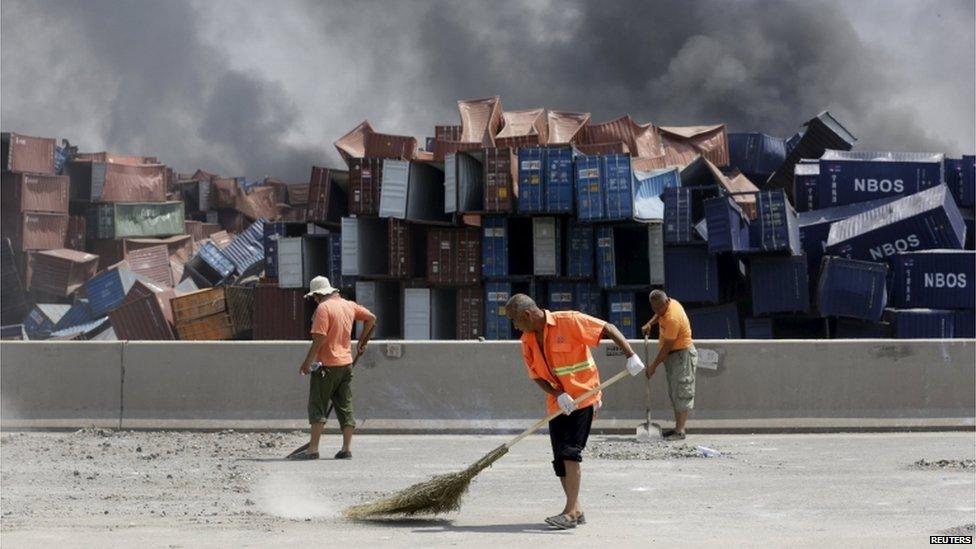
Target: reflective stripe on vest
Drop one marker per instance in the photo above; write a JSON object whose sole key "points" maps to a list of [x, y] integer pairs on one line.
{"points": [[566, 370]]}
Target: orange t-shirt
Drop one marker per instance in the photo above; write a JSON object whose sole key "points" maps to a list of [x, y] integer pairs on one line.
{"points": [[567, 337], [674, 325], [334, 319]]}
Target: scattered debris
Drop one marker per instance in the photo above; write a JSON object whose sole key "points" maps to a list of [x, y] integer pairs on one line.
{"points": [[943, 464], [626, 449]]}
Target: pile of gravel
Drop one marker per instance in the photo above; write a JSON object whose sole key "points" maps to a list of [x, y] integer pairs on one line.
{"points": [[946, 464]]}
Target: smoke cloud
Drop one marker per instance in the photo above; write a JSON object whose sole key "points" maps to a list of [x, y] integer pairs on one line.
{"points": [[254, 89]]}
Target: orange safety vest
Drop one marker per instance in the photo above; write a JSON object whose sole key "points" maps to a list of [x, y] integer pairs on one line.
{"points": [[567, 337]]}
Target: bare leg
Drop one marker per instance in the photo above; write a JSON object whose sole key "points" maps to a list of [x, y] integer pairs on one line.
{"points": [[313, 444], [347, 438], [680, 418], [571, 485]]}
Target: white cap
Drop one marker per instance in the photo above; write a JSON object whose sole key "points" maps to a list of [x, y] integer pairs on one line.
{"points": [[320, 285]]}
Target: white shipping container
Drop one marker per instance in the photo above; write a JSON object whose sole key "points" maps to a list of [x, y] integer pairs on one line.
{"points": [[545, 246], [655, 252], [290, 263]]}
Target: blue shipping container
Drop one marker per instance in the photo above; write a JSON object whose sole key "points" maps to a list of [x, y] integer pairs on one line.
{"points": [[211, 264], [721, 322], [107, 290], [618, 186], [966, 323], [756, 155], [969, 220], [558, 181], [589, 199], [335, 260], [847, 177], [691, 274], [497, 324], [42, 319], [779, 284], [606, 267], [561, 296], [531, 177], [921, 323], [587, 298], [776, 228], [806, 176], [758, 328], [580, 253], [852, 288], [727, 227], [648, 188], [850, 328], [815, 227], [79, 313], [679, 220], [924, 221], [960, 179], [622, 313], [933, 279], [494, 246]]}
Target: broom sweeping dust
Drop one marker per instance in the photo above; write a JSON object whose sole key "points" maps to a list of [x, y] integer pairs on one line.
{"points": [[443, 493]]}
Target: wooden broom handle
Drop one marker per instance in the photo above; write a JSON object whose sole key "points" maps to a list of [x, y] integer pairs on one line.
{"points": [[538, 425]]}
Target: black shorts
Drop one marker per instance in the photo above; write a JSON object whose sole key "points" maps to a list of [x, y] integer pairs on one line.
{"points": [[568, 435]]}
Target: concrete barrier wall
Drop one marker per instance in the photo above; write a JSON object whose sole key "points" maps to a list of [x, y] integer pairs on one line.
{"points": [[463, 382]]}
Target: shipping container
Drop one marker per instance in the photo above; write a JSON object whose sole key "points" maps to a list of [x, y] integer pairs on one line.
{"points": [[683, 143], [40, 321], [494, 246], [303, 258], [470, 313], [691, 274], [560, 296], [35, 231], [501, 180], [447, 133], [851, 288], [328, 199], [197, 305], [728, 228], [79, 314], [152, 263], [815, 228], [23, 153], [298, 194], [590, 205], [231, 221], [399, 147], [246, 251], [779, 284], [852, 328], [163, 295], [523, 128], [240, 307], [454, 256], [756, 155], [923, 221], [817, 135], [134, 219], [933, 279], [13, 332], [481, 120], [758, 328], [281, 313], [622, 313], [363, 253], [413, 191], [575, 296], [618, 187], [547, 246], [720, 322], [921, 323], [108, 182], [141, 319], [648, 190], [497, 324], [847, 177], [210, 328], [107, 290], [61, 272], [273, 233], [558, 179], [430, 313], [464, 174], [408, 252], [624, 255], [579, 251], [531, 180], [77, 229], [776, 228], [13, 305], [28, 192], [683, 208], [383, 300], [209, 267], [806, 178], [83, 332], [655, 253], [567, 127], [965, 324]]}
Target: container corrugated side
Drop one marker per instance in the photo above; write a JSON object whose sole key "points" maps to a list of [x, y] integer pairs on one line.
{"points": [[497, 324], [199, 304], [921, 323], [107, 290], [589, 199], [579, 260], [779, 284], [935, 279], [28, 192], [559, 179], [531, 180], [280, 314], [606, 268], [691, 274], [470, 312], [618, 189], [856, 176], [851, 288], [141, 319], [622, 313], [494, 246], [546, 246], [721, 322]]}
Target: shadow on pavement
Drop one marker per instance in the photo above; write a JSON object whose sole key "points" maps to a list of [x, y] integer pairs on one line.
{"points": [[440, 526]]}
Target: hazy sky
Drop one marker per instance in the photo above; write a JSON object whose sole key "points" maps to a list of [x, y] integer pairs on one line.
{"points": [[264, 88]]}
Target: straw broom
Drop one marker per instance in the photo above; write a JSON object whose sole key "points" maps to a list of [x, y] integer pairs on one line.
{"points": [[443, 493]]}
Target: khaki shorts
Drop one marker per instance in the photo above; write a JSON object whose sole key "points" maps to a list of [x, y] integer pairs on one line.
{"points": [[680, 368], [331, 384]]}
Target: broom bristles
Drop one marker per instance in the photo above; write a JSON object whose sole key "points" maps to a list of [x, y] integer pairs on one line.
{"points": [[440, 494]]}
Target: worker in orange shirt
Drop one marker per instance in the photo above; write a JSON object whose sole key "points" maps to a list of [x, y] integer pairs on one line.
{"points": [[555, 346], [677, 351]]}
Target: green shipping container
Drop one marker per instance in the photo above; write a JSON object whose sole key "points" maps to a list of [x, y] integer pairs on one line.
{"points": [[134, 219]]}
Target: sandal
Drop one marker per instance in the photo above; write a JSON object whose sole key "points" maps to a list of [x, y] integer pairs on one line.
{"points": [[673, 435], [304, 455], [581, 519], [562, 522], [343, 455]]}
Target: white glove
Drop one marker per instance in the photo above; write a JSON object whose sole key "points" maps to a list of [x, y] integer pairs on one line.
{"points": [[566, 403], [634, 365]]}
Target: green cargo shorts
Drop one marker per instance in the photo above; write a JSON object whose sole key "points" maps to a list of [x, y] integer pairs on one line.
{"points": [[680, 368], [331, 384]]}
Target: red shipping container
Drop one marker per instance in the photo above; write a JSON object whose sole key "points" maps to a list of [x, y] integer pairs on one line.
{"points": [[198, 304], [604, 148], [382, 145], [447, 133], [259, 203], [153, 263], [23, 153], [327, 201], [232, 221], [524, 128], [61, 272], [222, 192], [365, 178], [109, 251], [27, 192], [163, 295], [444, 148], [281, 313], [107, 182], [114, 158], [453, 256], [298, 195], [501, 180], [353, 144], [470, 312], [35, 230], [481, 120], [140, 318], [76, 233]]}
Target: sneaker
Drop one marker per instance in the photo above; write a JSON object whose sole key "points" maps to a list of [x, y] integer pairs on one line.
{"points": [[343, 454]]}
